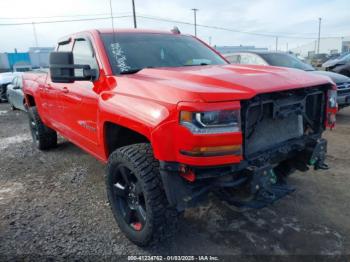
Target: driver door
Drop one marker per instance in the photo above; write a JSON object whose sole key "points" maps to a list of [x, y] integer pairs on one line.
{"points": [[78, 100]]}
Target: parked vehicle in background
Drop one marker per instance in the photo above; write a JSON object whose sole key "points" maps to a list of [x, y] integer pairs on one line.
{"points": [[318, 59], [340, 65], [15, 94], [291, 61], [22, 68], [174, 121], [5, 79]]}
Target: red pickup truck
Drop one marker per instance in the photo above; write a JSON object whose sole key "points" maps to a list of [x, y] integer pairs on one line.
{"points": [[174, 121]]}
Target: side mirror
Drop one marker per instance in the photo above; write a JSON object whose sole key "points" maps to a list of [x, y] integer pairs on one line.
{"points": [[62, 69]]}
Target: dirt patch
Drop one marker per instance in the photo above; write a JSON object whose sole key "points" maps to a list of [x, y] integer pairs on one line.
{"points": [[54, 203]]}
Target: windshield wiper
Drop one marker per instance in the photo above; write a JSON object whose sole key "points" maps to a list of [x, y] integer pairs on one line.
{"points": [[201, 64], [134, 70], [131, 71]]}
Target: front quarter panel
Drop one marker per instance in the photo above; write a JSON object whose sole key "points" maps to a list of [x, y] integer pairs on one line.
{"points": [[132, 112]]}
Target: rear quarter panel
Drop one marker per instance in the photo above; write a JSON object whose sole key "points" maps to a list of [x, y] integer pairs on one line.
{"points": [[33, 84]]}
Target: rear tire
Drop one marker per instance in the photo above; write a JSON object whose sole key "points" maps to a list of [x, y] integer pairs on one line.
{"points": [[137, 197], [43, 137]]}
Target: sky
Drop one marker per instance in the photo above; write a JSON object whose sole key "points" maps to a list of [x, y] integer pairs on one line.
{"points": [[294, 21]]}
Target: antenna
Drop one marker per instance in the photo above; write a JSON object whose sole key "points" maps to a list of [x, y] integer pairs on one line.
{"points": [[112, 19]]}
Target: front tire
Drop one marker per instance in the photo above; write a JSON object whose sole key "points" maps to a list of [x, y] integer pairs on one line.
{"points": [[137, 197], [43, 137]]}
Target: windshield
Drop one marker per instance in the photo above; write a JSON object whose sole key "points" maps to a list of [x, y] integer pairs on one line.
{"points": [[285, 60], [131, 52], [345, 57]]}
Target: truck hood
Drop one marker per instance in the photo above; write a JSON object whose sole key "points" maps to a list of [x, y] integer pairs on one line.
{"points": [[214, 83], [6, 78]]}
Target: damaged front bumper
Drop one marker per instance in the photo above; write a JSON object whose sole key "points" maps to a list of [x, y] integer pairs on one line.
{"points": [[252, 184]]}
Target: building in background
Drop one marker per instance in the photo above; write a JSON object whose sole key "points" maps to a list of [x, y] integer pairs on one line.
{"points": [[39, 56], [4, 63], [329, 45], [36, 57], [18, 60], [240, 48]]}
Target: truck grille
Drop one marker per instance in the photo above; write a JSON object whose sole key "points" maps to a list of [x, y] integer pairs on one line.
{"points": [[270, 120], [343, 88]]}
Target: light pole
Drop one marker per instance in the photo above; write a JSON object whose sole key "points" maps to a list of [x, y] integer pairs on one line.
{"points": [[35, 35], [276, 43], [319, 35], [195, 20], [134, 13]]}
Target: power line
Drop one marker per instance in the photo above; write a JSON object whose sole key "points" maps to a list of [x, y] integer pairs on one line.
{"points": [[57, 16], [64, 21], [230, 29], [271, 35]]}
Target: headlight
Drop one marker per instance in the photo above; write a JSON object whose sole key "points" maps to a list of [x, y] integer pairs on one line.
{"points": [[213, 122]]}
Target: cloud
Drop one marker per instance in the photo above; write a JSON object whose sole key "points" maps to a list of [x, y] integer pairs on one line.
{"points": [[287, 17]]}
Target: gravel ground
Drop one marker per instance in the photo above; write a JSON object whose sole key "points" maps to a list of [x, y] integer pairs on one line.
{"points": [[54, 204]]}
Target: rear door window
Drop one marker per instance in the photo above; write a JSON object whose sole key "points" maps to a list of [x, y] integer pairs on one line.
{"points": [[233, 59]]}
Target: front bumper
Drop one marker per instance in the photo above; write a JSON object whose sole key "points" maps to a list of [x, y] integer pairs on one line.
{"points": [[343, 100], [265, 182], [343, 94]]}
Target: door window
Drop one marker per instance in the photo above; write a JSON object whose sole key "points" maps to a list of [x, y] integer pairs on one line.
{"points": [[20, 82], [252, 59], [14, 81], [66, 47], [83, 55]]}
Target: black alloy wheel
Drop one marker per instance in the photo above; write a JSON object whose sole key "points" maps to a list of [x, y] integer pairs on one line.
{"points": [[129, 198], [137, 197]]}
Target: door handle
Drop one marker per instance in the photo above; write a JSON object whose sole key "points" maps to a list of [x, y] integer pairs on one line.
{"points": [[65, 90]]}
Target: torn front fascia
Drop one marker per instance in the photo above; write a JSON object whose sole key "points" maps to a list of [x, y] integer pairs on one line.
{"points": [[184, 194], [265, 187], [318, 155], [266, 182]]}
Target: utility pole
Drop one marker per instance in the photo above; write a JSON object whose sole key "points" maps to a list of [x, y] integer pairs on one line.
{"points": [[319, 35], [210, 40], [134, 13], [287, 47], [195, 20], [35, 35], [276, 43]]}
